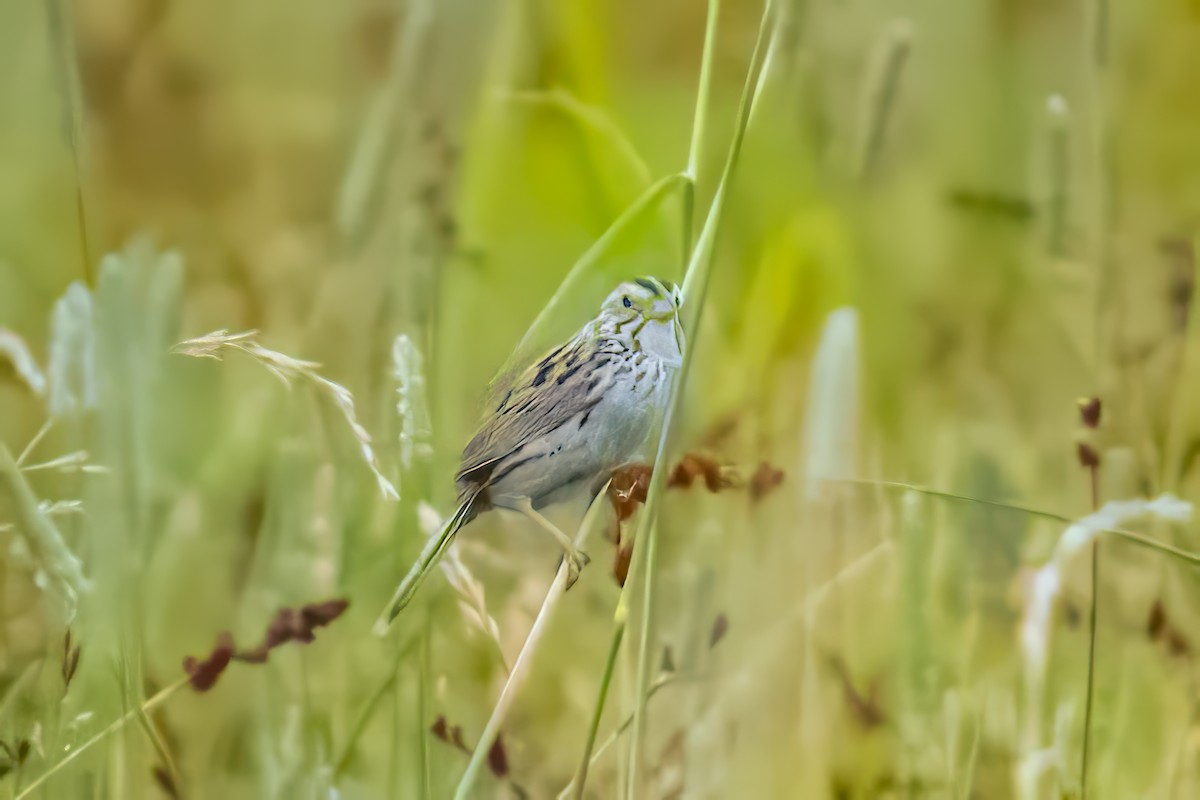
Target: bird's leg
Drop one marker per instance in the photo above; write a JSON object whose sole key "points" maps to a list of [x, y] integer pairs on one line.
{"points": [[576, 559]]}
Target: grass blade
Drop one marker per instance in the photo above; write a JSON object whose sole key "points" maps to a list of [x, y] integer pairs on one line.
{"points": [[694, 289], [521, 669], [145, 708], [580, 780], [63, 569]]}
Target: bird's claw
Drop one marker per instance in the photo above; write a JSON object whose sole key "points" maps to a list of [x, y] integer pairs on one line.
{"points": [[576, 561]]}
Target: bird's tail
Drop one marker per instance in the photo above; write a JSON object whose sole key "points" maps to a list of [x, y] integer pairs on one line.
{"points": [[430, 555]]}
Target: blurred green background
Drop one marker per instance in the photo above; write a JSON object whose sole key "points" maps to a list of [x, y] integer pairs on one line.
{"points": [[1006, 192]]}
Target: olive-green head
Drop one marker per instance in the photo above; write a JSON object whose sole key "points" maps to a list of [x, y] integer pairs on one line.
{"points": [[647, 310], [648, 298]]}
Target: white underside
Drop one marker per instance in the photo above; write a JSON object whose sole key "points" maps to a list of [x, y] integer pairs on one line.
{"points": [[579, 460]]}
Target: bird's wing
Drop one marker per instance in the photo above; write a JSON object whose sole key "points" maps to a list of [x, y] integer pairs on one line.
{"points": [[566, 383]]}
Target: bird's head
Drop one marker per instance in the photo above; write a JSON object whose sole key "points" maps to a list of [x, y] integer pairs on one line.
{"points": [[647, 309], [645, 298]]}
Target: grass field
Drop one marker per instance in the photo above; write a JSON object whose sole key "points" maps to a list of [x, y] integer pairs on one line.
{"points": [[923, 523]]}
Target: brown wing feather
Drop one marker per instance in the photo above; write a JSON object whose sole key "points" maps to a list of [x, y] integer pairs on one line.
{"points": [[532, 409]]}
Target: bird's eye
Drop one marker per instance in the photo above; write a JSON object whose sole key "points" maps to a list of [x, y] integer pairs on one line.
{"points": [[628, 303]]}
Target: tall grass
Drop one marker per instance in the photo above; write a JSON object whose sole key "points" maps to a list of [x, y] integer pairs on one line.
{"points": [[908, 246]]}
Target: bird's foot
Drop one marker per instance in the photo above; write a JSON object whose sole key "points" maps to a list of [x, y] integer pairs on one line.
{"points": [[576, 560]]}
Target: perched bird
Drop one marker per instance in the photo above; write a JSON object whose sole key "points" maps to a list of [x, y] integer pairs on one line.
{"points": [[567, 422]]}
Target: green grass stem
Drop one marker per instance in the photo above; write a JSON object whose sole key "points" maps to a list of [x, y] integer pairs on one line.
{"points": [[1059, 158], [590, 119], [695, 287], [524, 662], [46, 543], [1090, 694], [377, 138], [576, 787], [879, 97], [1137, 538], [145, 708], [648, 199], [66, 68], [704, 91], [370, 707]]}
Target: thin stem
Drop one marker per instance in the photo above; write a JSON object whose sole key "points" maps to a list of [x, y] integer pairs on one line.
{"points": [[1059, 157], [784, 35], [695, 287], [696, 150], [160, 747], [1094, 474], [378, 135], [523, 665], [1183, 398], [369, 709], [590, 119], [43, 537], [805, 612], [1091, 670], [35, 441], [14, 689], [397, 724], [777, 634], [67, 69], [116, 725], [700, 266], [1120, 533], [598, 248], [688, 211], [883, 83], [1103, 196], [508, 693], [360, 724], [967, 780], [425, 680], [576, 785], [581, 775]]}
